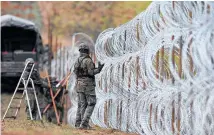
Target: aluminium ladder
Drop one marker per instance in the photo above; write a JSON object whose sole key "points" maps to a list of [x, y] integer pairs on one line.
{"points": [[25, 81]]}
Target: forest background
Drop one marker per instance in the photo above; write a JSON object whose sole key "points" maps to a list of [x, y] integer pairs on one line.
{"points": [[58, 21]]}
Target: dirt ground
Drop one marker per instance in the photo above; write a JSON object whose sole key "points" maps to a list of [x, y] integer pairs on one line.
{"points": [[21, 126]]}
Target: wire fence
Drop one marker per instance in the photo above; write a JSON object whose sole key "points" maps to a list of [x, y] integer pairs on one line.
{"points": [[158, 74]]}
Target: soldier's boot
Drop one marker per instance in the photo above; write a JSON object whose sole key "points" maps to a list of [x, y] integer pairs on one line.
{"points": [[83, 126], [34, 115], [77, 124], [86, 127], [78, 120], [27, 112], [88, 112], [84, 123]]}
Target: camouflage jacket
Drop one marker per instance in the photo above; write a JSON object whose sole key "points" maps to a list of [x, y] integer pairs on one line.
{"points": [[85, 70], [58, 97], [39, 83], [38, 80]]}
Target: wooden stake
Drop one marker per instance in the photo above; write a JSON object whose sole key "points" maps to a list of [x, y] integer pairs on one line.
{"points": [[53, 101], [58, 90]]}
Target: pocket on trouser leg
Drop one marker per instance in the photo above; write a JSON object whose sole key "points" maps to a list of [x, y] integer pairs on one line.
{"points": [[80, 88], [92, 100]]}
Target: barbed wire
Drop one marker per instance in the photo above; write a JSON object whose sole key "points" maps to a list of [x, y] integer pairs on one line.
{"points": [[158, 74]]}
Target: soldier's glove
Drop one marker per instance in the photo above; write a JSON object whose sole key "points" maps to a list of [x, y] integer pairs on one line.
{"points": [[66, 91], [100, 66]]}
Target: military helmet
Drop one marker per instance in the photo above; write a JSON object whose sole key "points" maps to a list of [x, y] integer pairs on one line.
{"points": [[83, 46], [29, 60]]}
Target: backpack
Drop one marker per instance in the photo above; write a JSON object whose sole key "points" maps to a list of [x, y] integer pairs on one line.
{"points": [[80, 72]]}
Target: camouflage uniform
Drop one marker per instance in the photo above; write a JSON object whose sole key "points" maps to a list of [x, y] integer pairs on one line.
{"points": [[31, 96], [39, 85], [85, 70], [50, 112]]}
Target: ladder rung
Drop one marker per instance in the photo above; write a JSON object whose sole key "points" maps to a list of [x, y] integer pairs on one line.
{"points": [[14, 117], [18, 98], [15, 107], [21, 88], [24, 88]]}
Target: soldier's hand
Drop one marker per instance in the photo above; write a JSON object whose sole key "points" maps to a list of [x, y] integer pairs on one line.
{"points": [[100, 66], [66, 91]]}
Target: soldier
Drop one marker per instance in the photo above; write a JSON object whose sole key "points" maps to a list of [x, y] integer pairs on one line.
{"points": [[31, 96], [50, 112], [51, 117], [85, 70], [39, 84], [41, 87]]}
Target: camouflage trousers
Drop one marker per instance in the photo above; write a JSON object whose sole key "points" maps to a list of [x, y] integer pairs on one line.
{"points": [[42, 103], [51, 116], [33, 107], [86, 104]]}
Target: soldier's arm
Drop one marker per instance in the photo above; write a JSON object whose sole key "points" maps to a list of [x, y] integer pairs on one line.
{"points": [[91, 67], [40, 80], [36, 76], [44, 83], [76, 67]]}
